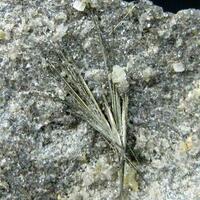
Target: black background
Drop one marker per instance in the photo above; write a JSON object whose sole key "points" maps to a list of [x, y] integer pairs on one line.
{"points": [[175, 5]]}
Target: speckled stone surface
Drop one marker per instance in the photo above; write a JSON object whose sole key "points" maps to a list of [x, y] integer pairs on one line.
{"points": [[47, 153]]}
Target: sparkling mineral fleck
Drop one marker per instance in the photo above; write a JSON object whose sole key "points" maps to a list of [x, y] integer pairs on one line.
{"points": [[178, 67]]}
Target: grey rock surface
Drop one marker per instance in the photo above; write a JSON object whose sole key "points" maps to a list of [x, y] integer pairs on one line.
{"points": [[47, 153]]}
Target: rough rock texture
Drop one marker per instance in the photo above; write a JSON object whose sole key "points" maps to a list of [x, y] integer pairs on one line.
{"points": [[46, 153]]}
